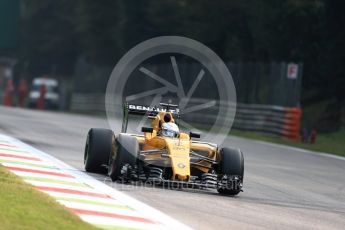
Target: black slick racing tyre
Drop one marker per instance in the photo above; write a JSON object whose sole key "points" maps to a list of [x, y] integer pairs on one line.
{"points": [[98, 148], [127, 149], [232, 164]]}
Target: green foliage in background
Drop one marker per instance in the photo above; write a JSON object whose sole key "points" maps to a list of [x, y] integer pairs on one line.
{"points": [[9, 23], [55, 33]]}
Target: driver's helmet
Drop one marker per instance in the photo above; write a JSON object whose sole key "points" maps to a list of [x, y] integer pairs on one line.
{"points": [[170, 129]]}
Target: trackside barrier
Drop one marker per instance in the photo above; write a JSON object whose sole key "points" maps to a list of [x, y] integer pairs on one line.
{"points": [[87, 103], [282, 121]]}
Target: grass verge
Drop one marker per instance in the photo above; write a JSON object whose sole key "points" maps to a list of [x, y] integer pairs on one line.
{"points": [[24, 207], [329, 143]]}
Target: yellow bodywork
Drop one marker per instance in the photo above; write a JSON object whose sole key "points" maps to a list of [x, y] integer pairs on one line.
{"points": [[177, 150]]}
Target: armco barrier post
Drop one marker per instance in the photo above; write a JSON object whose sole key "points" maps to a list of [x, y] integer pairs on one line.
{"points": [[292, 124]]}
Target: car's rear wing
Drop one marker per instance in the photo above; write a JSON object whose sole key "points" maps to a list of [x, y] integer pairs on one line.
{"points": [[148, 111]]}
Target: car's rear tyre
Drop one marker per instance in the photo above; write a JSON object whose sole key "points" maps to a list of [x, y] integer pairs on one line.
{"points": [[98, 148], [127, 149], [232, 164]]}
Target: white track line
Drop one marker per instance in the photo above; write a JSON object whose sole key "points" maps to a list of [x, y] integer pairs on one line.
{"points": [[58, 195], [38, 168], [117, 222], [323, 154], [329, 155], [36, 175], [59, 185], [97, 208], [38, 163]]}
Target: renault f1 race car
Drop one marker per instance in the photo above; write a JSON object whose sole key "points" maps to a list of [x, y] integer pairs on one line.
{"points": [[163, 155]]}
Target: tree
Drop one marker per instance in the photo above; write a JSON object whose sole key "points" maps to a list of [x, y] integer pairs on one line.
{"points": [[48, 39]]}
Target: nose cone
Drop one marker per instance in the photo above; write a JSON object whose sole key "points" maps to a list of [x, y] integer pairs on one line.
{"points": [[179, 151]]}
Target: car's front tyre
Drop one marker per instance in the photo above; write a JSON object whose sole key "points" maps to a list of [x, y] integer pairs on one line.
{"points": [[125, 156], [98, 148], [231, 171]]}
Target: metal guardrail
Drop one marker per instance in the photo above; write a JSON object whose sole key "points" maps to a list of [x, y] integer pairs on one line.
{"points": [[272, 119], [87, 103]]}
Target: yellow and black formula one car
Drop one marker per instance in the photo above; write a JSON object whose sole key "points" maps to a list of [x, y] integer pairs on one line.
{"points": [[163, 155]]}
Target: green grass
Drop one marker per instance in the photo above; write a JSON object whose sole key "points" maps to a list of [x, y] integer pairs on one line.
{"points": [[23, 207], [333, 143]]}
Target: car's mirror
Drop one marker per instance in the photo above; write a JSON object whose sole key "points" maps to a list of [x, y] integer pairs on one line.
{"points": [[194, 135], [147, 129]]}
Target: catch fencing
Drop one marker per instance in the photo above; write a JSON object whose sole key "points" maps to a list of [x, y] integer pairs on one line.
{"points": [[255, 82]]}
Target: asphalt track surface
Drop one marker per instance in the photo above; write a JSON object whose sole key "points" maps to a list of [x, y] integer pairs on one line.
{"points": [[284, 188]]}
